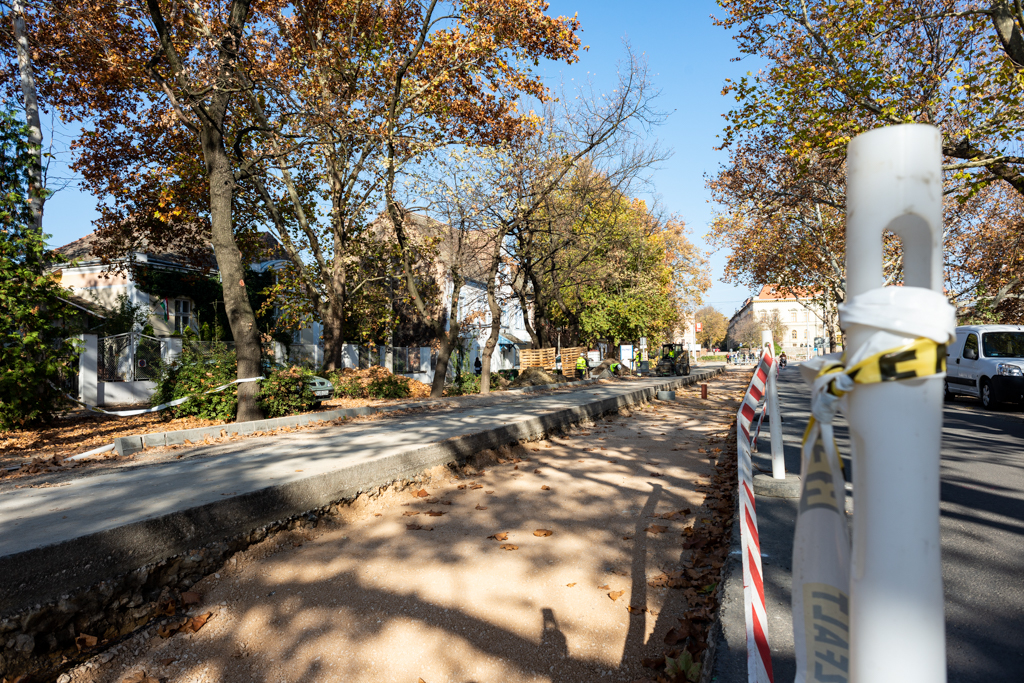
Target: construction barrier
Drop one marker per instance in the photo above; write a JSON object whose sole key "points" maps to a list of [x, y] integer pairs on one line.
{"points": [[759, 657]]}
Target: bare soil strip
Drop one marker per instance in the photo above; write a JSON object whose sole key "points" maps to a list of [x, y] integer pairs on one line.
{"points": [[570, 559]]}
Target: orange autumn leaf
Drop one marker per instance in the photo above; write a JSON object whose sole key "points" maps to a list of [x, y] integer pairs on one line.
{"points": [[509, 546], [422, 493], [615, 595], [542, 532], [502, 536]]}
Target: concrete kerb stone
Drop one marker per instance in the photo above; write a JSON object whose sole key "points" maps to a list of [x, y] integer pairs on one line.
{"points": [[76, 564], [127, 445]]}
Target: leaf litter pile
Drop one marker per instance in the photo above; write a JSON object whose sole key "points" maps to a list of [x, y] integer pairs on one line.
{"points": [[428, 570]]}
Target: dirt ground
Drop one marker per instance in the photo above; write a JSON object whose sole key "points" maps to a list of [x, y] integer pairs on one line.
{"points": [[549, 565]]}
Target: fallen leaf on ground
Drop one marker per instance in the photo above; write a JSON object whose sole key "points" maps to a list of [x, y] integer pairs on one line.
{"points": [[633, 609], [431, 500], [462, 486], [615, 595], [422, 493], [417, 527], [489, 492], [542, 532], [377, 514], [657, 474], [446, 502], [509, 546], [190, 598], [627, 538], [84, 640], [545, 488], [140, 677], [604, 587], [196, 623], [536, 471], [410, 513], [433, 513], [502, 536], [570, 585], [656, 529], [477, 486], [480, 507], [167, 661]]}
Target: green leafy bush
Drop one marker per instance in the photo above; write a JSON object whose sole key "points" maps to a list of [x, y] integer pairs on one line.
{"points": [[286, 392], [466, 383], [198, 370], [388, 386], [347, 387], [36, 358]]}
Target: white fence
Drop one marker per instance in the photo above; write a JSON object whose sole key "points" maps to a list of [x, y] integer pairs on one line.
{"points": [[122, 368]]}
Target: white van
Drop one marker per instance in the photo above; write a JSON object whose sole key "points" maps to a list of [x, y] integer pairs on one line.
{"points": [[987, 361]]}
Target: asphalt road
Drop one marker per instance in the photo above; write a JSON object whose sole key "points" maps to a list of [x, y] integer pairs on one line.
{"points": [[982, 522]]}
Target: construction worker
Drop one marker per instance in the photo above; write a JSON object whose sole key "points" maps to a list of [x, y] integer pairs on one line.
{"points": [[581, 366]]}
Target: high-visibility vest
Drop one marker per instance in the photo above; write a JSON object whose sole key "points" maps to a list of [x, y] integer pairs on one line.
{"points": [[581, 363]]}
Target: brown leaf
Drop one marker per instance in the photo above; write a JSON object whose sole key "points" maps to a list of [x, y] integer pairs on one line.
{"points": [[167, 661], [84, 640], [570, 585], [509, 546], [140, 677], [480, 507], [615, 595], [417, 527], [656, 529], [536, 471], [446, 502], [431, 500], [634, 610], [422, 493], [476, 486], [410, 513], [516, 467], [433, 513], [545, 488], [604, 587], [462, 486], [501, 536], [377, 514], [542, 532], [489, 492], [196, 623], [627, 538], [680, 633]]}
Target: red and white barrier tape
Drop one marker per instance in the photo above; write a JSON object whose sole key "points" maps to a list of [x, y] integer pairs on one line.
{"points": [[759, 657]]}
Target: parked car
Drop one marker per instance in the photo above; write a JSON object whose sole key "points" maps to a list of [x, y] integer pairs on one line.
{"points": [[987, 361], [322, 388]]}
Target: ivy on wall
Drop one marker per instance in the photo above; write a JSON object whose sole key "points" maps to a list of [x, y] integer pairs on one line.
{"points": [[207, 297]]}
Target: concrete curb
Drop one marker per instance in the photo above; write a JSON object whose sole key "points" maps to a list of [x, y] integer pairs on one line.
{"points": [[43, 574], [767, 485], [126, 445]]}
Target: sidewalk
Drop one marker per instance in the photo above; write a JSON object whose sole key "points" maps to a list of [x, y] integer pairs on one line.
{"points": [[77, 531]]}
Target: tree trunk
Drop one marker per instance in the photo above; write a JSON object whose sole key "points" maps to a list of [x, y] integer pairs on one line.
{"points": [[35, 132], [449, 340], [492, 303], [232, 273]]}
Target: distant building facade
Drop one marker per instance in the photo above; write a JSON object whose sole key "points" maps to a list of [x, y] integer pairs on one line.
{"points": [[802, 317]]}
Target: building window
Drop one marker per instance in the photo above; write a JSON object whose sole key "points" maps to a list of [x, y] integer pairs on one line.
{"points": [[793, 314], [182, 315], [807, 316], [805, 334], [794, 334]]}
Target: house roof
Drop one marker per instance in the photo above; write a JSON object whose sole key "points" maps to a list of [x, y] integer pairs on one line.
{"points": [[469, 249], [263, 245], [772, 293]]}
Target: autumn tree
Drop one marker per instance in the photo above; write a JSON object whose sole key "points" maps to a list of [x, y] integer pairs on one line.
{"points": [[836, 69], [713, 326]]}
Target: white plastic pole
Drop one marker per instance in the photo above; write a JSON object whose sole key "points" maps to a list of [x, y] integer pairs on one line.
{"points": [[771, 404], [894, 182]]}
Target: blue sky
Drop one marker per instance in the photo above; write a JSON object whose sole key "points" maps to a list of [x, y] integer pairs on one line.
{"points": [[690, 60]]}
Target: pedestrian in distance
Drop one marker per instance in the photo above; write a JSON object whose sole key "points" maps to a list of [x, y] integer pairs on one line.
{"points": [[478, 367]]}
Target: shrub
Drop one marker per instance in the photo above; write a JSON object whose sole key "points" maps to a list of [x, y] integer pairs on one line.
{"points": [[198, 370], [347, 387], [466, 383], [286, 392], [388, 386]]}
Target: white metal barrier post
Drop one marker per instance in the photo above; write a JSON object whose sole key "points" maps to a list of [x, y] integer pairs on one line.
{"points": [[774, 416], [897, 629]]}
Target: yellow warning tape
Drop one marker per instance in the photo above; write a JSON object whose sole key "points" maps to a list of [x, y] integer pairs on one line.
{"points": [[920, 358]]}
